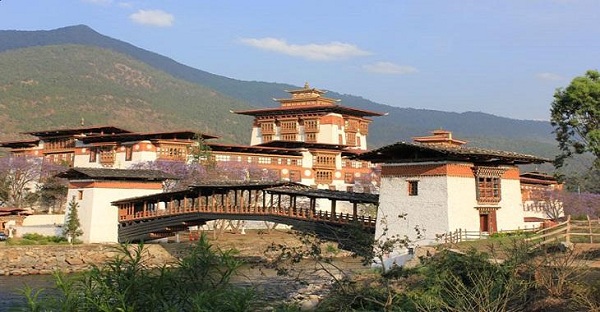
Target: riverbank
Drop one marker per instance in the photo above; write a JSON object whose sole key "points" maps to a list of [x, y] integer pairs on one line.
{"points": [[26, 265], [45, 259]]}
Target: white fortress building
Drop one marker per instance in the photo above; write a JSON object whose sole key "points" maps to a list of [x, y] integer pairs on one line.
{"points": [[437, 185]]}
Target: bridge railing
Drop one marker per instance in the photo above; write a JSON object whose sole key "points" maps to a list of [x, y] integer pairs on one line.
{"points": [[295, 213]]}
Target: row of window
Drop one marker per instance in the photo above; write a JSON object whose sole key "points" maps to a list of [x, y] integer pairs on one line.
{"points": [[353, 164], [59, 144], [308, 137]]}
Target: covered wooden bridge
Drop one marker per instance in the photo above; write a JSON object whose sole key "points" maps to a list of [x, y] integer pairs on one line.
{"points": [[304, 208]]}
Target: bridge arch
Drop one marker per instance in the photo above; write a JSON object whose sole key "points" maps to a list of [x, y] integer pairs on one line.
{"points": [[161, 215]]}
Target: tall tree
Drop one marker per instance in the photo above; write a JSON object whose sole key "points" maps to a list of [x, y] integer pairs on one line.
{"points": [[72, 227], [575, 114]]}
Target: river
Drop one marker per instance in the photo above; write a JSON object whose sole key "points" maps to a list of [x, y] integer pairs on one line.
{"points": [[11, 286], [272, 288]]}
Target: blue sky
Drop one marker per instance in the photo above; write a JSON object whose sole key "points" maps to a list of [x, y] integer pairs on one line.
{"points": [[502, 57]]}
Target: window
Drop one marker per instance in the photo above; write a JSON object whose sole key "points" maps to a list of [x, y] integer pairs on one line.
{"points": [[311, 125], [413, 188], [488, 189], [107, 155], [219, 157], [350, 139], [324, 160], [79, 195], [266, 138], [288, 137], [172, 152], [324, 176], [288, 126], [267, 128], [311, 137], [128, 153], [295, 176], [264, 160], [349, 178], [93, 154]]}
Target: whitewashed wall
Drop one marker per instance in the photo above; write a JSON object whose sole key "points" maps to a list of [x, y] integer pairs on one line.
{"points": [[428, 210], [462, 203], [510, 216], [99, 220], [45, 219]]}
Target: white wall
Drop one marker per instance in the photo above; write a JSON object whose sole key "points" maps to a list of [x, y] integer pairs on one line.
{"points": [[45, 219], [99, 220], [510, 216], [428, 210], [462, 204], [256, 136]]}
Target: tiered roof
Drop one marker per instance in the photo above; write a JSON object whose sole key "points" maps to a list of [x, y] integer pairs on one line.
{"points": [[444, 148], [308, 100]]}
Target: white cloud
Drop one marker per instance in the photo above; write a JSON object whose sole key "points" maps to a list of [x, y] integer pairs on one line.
{"points": [[389, 68], [549, 76], [319, 52], [153, 18]]}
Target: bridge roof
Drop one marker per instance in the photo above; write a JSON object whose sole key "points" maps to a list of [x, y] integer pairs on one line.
{"points": [[329, 194], [207, 187]]}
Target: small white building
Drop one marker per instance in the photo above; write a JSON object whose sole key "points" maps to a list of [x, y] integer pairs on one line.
{"points": [[93, 189], [436, 185]]}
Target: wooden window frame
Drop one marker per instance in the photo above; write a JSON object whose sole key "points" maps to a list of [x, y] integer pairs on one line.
{"points": [[128, 152], [93, 155], [413, 187], [489, 189]]}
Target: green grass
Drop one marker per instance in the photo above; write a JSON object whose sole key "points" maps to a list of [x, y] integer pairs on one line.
{"points": [[36, 239]]}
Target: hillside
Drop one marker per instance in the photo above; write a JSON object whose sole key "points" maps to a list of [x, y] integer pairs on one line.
{"points": [[399, 125], [56, 86]]}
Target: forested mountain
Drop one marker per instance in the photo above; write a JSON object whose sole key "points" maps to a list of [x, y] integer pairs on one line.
{"points": [[176, 106], [56, 86]]}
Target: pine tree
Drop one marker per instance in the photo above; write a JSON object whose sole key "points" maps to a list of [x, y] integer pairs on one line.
{"points": [[72, 227]]}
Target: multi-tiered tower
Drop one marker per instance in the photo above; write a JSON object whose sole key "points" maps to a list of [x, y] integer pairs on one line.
{"points": [[310, 117]]}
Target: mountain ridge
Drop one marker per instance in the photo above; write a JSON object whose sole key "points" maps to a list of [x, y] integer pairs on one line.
{"points": [[400, 124]]}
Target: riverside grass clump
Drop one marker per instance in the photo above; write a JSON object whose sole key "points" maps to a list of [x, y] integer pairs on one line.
{"points": [[37, 239], [198, 282], [546, 280]]}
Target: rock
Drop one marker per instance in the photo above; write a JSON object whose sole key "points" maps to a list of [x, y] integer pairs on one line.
{"points": [[309, 304]]}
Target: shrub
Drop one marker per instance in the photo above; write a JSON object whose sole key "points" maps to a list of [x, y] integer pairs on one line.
{"points": [[199, 282]]}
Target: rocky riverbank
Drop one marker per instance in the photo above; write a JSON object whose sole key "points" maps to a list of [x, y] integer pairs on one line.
{"points": [[45, 259]]}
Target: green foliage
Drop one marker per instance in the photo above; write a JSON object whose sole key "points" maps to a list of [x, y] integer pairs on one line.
{"points": [[72, 227], [576, 117], [37, 239], [55, 86], [199, 282], [52, 193]]}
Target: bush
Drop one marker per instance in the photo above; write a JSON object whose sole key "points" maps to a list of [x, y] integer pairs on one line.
{"points": [[37, 239], [199, 282]]}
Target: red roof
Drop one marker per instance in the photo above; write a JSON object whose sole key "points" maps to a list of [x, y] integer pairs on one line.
{"points": [[137, 136], [79, 130], [402, 152], [312, 109]]}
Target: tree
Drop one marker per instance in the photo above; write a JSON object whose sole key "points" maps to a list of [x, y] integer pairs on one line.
{"points": [[18, 177], [72, 224], [575, 114]]}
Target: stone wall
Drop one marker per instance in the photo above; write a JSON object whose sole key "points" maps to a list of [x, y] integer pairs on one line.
{"points": [[26, 260]]}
